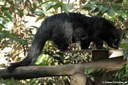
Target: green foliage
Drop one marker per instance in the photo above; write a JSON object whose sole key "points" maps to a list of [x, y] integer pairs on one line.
{"points": [[124, 45], [44, 60], [14, 11], [126, 53], [116, 12], [7, 34], [22, 82], [89, 71], [110, 9], [122, 74]]}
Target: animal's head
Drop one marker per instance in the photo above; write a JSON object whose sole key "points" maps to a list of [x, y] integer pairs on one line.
{"points": [[114, 39], [113, 35]]}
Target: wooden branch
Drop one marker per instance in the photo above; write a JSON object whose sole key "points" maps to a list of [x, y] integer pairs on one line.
{"points": [[62, 70], [78, 79]]}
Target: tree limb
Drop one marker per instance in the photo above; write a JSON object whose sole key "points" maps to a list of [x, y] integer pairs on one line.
{"points": [[62, 70]]}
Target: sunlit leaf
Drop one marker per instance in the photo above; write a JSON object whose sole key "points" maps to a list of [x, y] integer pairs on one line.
{"points": [[7, 34], [125, 3], [8, 14], [66, 7], [42, 59], [40, 17], [57, 5], [124, 45], [89, 6], [49, 6], [39, 12]]}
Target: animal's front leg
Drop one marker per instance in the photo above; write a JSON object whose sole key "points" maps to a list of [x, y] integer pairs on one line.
{"points": [[99, 44], [85, 44]]}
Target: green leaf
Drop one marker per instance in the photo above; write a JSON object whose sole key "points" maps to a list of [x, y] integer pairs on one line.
{"points": [[124, 45], [49, 6], [7, 34], [89, 70], [57, 5], [89, 6], [42, 59], [4, 8], [2, 26], [126, 53], [102, 9], [8, 14], [20, 12], [40, 17], [66, 7], [111, 12], [125, 3]]}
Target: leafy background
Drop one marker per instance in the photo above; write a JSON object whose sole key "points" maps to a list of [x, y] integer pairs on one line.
{"points": [[19, 20]]}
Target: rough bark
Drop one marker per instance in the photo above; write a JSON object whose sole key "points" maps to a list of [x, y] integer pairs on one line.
{"points": [[112, 64]]}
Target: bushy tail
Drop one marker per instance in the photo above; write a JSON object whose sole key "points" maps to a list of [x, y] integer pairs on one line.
{"points": [[38, 43]]}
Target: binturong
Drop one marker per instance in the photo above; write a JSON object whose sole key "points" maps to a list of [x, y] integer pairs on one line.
{"points": [[66, 28]]}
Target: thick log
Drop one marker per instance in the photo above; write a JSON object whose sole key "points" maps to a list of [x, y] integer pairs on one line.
{"points": [[62, 70]]}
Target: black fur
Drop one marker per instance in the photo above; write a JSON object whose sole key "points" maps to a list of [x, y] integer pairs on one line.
{"points": [[64, 29]]}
